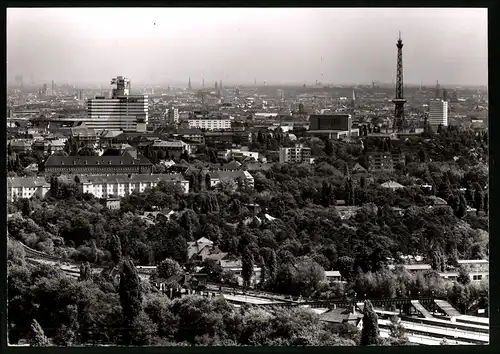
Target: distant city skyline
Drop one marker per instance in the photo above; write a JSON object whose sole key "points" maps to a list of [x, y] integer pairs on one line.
{"points": [[236, 45]]}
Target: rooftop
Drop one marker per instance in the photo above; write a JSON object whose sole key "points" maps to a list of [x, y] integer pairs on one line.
{"points": [[125, 159]]}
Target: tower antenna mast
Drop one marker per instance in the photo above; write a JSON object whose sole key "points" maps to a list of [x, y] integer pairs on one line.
{"points": [[399, 101]]}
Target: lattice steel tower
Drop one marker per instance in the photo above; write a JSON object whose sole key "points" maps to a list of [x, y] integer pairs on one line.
{"points": [[399, 101]]}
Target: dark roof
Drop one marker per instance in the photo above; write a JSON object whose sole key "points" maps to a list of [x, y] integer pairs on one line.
{"points": [[29, 182], [125, 159], [227, 175], [188, 132], [340, 315], [259, 166]]}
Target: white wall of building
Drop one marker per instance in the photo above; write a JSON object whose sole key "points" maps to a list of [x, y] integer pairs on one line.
{"points": [[210, 124], [438, 113]]}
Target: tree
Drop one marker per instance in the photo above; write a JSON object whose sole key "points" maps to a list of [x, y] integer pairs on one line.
{"points": [[362, 182], [478, 199], [328, 148], [64, 337], [247, 262], [461, 208], [370, 332], [398, 332], [327, 195], [85, 272], [169, 268], [263, 271], [95, 254], [37, 335], [207, 181], [422, 156], [115, 248], [212, 269], [463, 276], [345, 266], [130, 298], [273, 265]]}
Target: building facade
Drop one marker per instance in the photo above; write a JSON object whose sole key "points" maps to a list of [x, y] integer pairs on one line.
{"points": [[210, 124], [26, 187], [438, 113], [384, 161], [173, 116], [297, 154], [335, 126], [123, 164], [173, 148], [123, 185], [120, 112]]}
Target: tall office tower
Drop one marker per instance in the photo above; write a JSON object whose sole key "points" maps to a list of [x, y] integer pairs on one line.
{"points": [[438, 113], [189, 84], [399, 101], [216, 86], [438, 91], [53, 87], [445, 95], [237, 92], [220, 85], [120, 112], [44, 90], [353, 102], [19, 80], [255, 81], [203, 83]]}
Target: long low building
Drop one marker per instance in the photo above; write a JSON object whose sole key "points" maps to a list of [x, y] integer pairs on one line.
{"points": [[123, 185], [125, 163]]}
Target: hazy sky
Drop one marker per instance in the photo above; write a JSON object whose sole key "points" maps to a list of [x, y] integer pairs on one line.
{"points": [[236, 45]]}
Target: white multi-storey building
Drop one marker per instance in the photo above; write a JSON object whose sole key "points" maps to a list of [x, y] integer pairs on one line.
{"points": [[173, 115], [210, 124], [297, 154], [120, 112], [26, 187], [123, 185], [438, 113]]}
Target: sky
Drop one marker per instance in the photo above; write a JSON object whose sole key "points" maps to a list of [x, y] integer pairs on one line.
{"points": [[238, 45]]}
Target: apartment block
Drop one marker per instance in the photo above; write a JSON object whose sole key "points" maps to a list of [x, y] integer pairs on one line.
{"points": [[26, 187], [123, 185], [297, 154]]}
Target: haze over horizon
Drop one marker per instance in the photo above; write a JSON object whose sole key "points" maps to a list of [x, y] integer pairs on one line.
{"points": [[238, 45]]}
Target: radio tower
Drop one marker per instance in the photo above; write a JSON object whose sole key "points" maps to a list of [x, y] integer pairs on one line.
{"points": [[399, 101]]}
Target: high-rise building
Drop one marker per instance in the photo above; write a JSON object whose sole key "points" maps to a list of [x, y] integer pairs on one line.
{"points": [[445, 95], [438, 113], [120, 112], [19, 80], [438, 91], [53, 87], [189, 84]]}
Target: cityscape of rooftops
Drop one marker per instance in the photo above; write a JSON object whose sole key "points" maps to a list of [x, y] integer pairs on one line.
{"points": [[247, 177]]}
